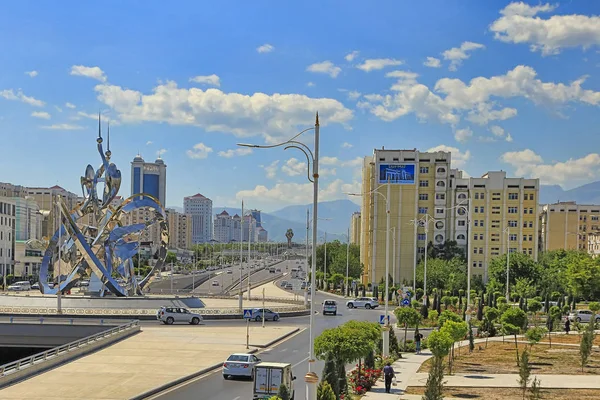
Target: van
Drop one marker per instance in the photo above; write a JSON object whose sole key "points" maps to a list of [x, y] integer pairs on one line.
{"points": [[269, 376], [329, 307]]}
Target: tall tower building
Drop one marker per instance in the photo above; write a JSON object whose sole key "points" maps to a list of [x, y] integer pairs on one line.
{"points": [[200, 208], [355, 225], [150, 178]]}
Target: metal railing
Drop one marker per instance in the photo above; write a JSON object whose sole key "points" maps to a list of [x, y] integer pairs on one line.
{"points": [[57, 320], [30, 361]]}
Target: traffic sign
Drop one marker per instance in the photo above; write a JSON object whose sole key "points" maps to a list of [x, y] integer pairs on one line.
{"points": [[248, 314], [405, 302], [382, 319], [409, 293]]}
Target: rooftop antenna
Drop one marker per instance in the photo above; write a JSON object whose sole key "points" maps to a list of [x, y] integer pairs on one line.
{"points": [[108, 153], [99, 126]]}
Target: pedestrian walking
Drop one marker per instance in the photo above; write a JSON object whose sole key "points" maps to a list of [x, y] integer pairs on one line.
{"points": [[418, 337], [388, 375], [567, 326]]}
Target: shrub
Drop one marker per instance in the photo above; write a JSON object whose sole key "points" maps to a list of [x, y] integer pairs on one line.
{"points": [[324, 391]]}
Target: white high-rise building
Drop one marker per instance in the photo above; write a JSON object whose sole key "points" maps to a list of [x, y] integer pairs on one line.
{"points": [[28, 219], [7, 235], [200, 208]]}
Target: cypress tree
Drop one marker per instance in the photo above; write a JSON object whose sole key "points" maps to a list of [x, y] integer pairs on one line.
{"points": [[439, 305], [480, 310], [330, 374]]}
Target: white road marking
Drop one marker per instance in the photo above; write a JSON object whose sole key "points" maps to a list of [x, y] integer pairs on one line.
{"points": [[283, 350], [300, 362], [237, 398], [271, 349]]}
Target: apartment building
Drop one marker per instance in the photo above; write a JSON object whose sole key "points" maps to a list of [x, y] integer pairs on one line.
{"points": [[200, 208], [430, 201], [180, 230], [7, 235], [567, 225], [503, 215], [355, 225], [46, 199]]}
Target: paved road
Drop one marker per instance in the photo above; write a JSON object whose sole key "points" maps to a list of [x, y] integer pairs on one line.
{"points": [[294, 351]]}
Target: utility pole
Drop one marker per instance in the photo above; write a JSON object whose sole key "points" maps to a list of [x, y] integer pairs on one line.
{"points": [[347, 264], [241, 297]]}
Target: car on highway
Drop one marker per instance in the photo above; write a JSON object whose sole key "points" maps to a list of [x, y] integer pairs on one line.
{"points": [[278, 270], [229, 271], [329, 307], [283, 283], [257, 314], [35, 286], [240, 365], [170, 315], [20, 286], [289, 286], [576, 316], [360, 302], [214, 283]]}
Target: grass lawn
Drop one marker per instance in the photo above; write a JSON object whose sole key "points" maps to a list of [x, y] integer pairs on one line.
{"points": [[511, 393], [500, 358]]}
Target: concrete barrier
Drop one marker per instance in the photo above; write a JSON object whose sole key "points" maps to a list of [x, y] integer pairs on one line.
{"points": [[33, 365]]}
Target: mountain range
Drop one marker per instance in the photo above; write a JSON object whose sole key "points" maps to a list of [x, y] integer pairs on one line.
{"points": [[334, 216]]}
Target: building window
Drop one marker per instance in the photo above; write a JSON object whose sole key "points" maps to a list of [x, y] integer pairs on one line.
{"points": [[439, 211], [481, 236], [475, 263], [512, 224], [441, 170], [513, 210], [513, 237], [476, 196], [422, 210], [531, 196], [531, 238], [421, 250], [421, 236], [424, 170], [476, 223], [481, 223], [440, 196], [461, 211], [475, 237], [482, 209], [480, 264], [462, 196], [481, 250], [423, 183], [476, 210], [531, 224], [439, 224], [461, 223], [531, 211], [423, 196], [460, 237], [513, 196], [440, 184], [439, 238]]}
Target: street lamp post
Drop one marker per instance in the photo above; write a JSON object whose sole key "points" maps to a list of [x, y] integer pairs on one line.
{"points": [[347, 264], [424, 223], [385, 331], [311, 377], [507, 230]]}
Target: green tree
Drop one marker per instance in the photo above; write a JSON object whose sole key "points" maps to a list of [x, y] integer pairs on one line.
{"points": [[394, 346], [534, 306], [448, 315], [524, 372], [490, 317], [336, 259], [457, 331], [585, 346], [325, 392], [171, 258], [447, 251], [594, 307], [443, 274], [535, 335], [407, 316], [583, 277], [439, 344], [524, 288], [513, 320], [283, 393], [330, 374], [520, 266]]}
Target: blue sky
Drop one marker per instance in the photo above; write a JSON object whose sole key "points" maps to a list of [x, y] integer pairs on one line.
{"points": [[493, 81]]}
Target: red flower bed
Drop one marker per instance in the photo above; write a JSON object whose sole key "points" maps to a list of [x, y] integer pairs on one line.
{"points": [[364, 382]]}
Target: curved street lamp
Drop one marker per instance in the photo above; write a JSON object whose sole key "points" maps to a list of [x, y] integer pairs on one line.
{"points": [[311, 377]]}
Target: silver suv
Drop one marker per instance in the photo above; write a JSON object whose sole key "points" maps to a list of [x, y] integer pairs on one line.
{"points": [[360, 302], [170, 315], [582, 316]]}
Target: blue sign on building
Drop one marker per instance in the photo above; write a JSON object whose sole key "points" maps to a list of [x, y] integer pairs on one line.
{"points": [[397, 173]]}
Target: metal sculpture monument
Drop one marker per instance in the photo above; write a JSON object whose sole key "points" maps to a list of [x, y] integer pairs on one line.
{"points": [[92, 240]]}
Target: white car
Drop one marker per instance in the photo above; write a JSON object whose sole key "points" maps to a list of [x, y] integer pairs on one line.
{"points": [[215, 283], [170, 315], [360, 302], [576, 316], [20, 286], [240, 364]]}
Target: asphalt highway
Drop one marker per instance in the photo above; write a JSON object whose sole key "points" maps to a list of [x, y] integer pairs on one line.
{"points": [[293, 350]]}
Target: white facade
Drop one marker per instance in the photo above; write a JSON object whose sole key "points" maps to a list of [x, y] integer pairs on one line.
{"points": [[7, 235], [224, 226], [200, 208]]}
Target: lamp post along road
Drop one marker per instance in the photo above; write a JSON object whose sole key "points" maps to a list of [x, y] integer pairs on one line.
{"points": [[241, 297], [311, 377], [508, 263], [385, 331], [347, 265]]}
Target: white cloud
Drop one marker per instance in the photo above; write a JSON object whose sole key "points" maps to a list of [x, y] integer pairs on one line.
{"points": [[211, 80], [160, 152], [70, 105], [351, 56], [459, 158], [242, 151], [271, 169], [452, 98], [199, 151], [519, 23], [432, 62], [571, 172], [456, 55], [32, 74], [272, 116], [149, 142], [298, 193], [379, 63], [294, 167], [462, 135], [347, 145], [63, 127], [265, 48], [500, 133], [353, 95], [10, 94], [325, 67], [355, 162], [40, 114], [310, 84], [90, 72]]}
